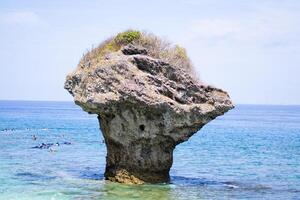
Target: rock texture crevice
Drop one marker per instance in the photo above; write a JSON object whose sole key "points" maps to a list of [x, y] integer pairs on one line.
{"points": [[145, 107]]}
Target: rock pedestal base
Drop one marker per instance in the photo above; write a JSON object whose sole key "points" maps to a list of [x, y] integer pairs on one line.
{"points": [[137, 151]]}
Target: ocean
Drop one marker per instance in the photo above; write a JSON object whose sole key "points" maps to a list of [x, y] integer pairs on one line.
{"points": [[252, 152]]}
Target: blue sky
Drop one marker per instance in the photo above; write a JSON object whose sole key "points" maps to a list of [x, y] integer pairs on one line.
{"points": [[249, 48]]}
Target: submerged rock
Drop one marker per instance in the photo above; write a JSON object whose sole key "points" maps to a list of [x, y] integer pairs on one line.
{"points": [[147, 102]]}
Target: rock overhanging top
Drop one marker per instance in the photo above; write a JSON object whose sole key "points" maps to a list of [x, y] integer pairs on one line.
{"points": [[131, 73], [143, 89]]}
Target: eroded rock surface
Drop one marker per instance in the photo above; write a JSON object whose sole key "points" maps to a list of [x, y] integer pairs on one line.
{"points": [[145, 107]]}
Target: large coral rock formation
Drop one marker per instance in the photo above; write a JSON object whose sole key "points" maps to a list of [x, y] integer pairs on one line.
{"points": [[145, 106]]}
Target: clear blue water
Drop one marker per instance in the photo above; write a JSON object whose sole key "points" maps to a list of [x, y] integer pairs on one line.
{"points": [[252, 152]]}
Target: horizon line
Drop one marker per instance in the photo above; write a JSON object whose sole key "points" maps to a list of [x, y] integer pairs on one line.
{"points": [[70, 101]]}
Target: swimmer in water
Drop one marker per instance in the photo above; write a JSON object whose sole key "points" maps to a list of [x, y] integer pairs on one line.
{"points": [[34, 137]]}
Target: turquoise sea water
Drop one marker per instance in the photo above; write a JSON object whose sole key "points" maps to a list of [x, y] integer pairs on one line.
{"points": [[252, 152]]}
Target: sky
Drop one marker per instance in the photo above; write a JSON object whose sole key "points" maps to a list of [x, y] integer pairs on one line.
{"points": [[249, 48]]}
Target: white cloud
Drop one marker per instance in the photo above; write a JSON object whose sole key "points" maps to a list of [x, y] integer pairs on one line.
{"points": [[265, 29], [20, 17], [251, 55], [212, 28]]}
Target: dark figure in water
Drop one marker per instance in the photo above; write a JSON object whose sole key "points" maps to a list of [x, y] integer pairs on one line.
{"points": [[34, 137], [49, 145], [67, 143]]}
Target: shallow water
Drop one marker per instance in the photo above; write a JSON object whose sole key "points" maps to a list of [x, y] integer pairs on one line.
{"points": [[252, 152]]}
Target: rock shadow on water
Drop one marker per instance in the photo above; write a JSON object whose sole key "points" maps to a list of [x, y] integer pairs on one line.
{"points": [[88, 174], [191, 181]]}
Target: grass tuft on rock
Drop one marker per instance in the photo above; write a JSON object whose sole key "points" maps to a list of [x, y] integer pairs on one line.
{"points": [[156, 47], [127, 37]]}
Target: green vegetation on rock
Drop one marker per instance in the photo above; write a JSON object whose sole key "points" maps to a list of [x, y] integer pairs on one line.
{"points": [[155, 46], [127, 37]]}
